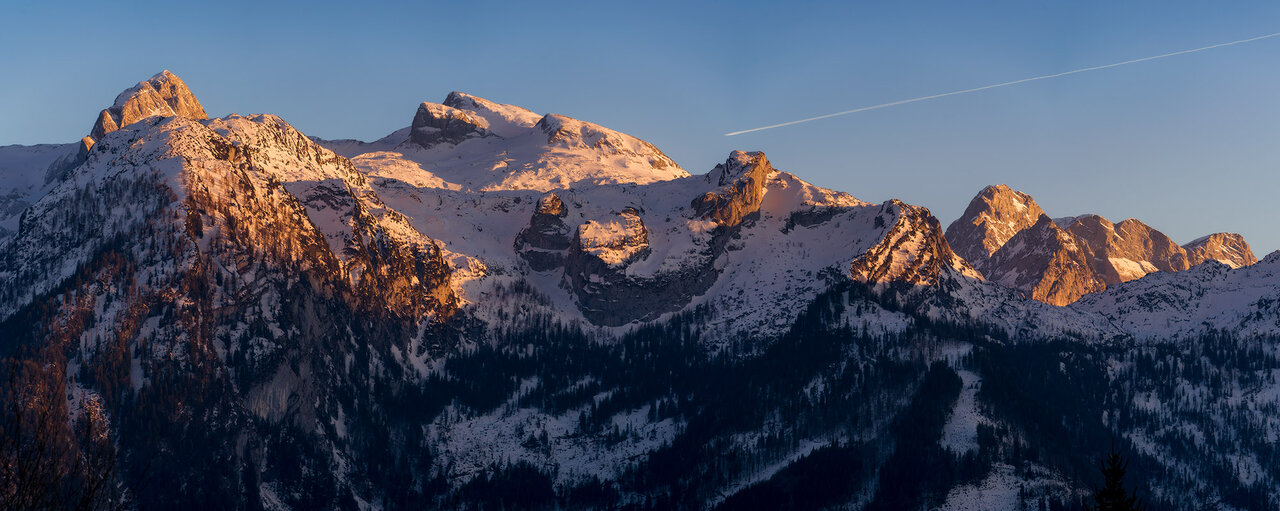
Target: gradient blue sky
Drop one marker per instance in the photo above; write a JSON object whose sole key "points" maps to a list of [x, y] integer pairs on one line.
{"points": [[1187, 144]]}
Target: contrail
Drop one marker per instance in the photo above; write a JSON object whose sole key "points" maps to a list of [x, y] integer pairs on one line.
{"points": [[1005, 84]]}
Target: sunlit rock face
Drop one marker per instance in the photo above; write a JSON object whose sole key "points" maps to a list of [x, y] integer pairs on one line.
{"points": [[1046, 261], [434, 124], [996, 214], [164, 95], [740, 184], [1225, 247], [1058, 261], [273, 321]]}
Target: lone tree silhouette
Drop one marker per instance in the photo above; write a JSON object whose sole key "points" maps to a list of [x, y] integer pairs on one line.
{"points": [[1112, 496]]}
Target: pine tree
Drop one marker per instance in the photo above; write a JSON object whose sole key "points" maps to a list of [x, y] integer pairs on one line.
{"points": [[1112, 496]]}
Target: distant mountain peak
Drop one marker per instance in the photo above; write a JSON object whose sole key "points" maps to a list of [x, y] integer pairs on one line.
{"points": [[994, 216], [164, 94], [1226, 247], [1060, 260]]}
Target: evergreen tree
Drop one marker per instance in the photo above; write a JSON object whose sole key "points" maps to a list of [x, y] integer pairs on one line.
{"points": [[1112, 496]]}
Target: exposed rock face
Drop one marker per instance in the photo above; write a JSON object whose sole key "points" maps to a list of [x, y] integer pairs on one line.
{"points": [[543, 243], [596, 269], [1127, 250], [912, 252], [994, 216], [1226, 247], [1046, 261], [435, 123], [1058, 261], [741, 181], [164, 94], [86, 143]]}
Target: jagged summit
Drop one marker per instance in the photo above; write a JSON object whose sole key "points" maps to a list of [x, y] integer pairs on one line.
{"points": [[741, 186], [738, 163], [435, 123], [994, 216], [1058, 261], [163, 94], [1048, 262], [1226, 247]]}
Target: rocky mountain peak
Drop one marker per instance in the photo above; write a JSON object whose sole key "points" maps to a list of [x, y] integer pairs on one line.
{"points": [[1129, 249], [1060, 260], [741, 180], [550, 204], [1226, 247], [994, 216], [738, 164], [1046, 261], [435, 123], [164, 94]]}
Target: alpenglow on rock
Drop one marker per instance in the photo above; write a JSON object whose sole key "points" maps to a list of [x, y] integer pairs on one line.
{"points": [[164, 94], [1226, 247], [534, 305], [996, 214], [741, 181], [1058, 261]]}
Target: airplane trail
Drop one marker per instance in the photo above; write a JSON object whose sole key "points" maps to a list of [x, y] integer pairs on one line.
{"points": [[1004, 84]]}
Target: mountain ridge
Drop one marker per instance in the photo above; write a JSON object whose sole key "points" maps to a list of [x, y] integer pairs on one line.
{"points": [[1100, 253], [493, 302]]}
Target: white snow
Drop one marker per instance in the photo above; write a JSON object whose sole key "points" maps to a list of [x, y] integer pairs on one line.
{"points": [[1000, 489]]}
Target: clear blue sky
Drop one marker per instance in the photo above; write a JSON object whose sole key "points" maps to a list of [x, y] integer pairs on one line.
{"points": [[1190, 145]]}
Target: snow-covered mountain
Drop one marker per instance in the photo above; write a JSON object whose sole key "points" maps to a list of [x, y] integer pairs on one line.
{"points": [[1210, 296], [497, 308], [26, 173]]}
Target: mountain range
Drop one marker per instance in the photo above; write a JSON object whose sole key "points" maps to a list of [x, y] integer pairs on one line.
{"points": [[495, 308]]}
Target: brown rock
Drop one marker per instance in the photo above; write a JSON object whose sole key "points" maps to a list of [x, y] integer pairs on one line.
{"points": [[1059, 262], [912, 251], [1047, 262], [86, 144], [1226, 247], [1127, 250], [741, 180], [994, 216], [436, 123], [164, 94]]}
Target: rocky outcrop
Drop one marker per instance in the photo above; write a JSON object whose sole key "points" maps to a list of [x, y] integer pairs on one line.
{"points": [[596, 265], [1127, 250], [912, 252], [1225, 247], [596, 270], [543, 242], [1047, 262], [615, 242], [164, 95], [434, 124], [741, 180], [994, 216]]}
